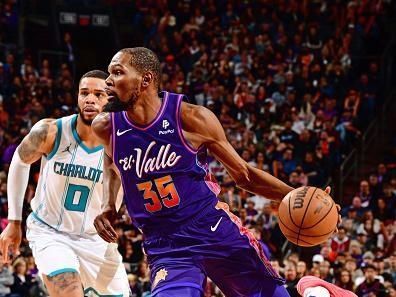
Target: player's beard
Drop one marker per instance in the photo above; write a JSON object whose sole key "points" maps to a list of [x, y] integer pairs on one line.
{"points": [[116, 105], [86, 121]]}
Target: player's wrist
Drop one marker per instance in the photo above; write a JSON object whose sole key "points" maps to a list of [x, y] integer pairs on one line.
{"points": [[15, 222], [110, 208]]}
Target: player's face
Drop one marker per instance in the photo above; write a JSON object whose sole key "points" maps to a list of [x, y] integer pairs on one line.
{"points": [[91, 98], [123, 83]]}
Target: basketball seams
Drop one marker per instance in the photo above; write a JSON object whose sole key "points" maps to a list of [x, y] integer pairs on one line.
{"points": [[305, 212], [290, 236], [320, 219], [290, 215], [302, 234], [280, 220]]}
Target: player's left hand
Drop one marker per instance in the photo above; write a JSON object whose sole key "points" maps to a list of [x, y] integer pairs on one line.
{"points": [[328, 190], [103, 225], [10, 240]]}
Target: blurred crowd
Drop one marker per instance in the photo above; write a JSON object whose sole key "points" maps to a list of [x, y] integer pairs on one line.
{"points": [[288, 83]]}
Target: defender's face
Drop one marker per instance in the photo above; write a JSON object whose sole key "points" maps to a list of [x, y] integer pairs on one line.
{"points": [[91, 98], [123, 83]]}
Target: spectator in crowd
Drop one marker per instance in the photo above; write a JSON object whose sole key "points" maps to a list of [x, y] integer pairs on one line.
{"points": [[364, 193], [301, 269], [381, 210], [351, 266], [345, 281], [22, 281], [371, 285], [275, 265], [133, 284], [251, 212], [357, 205], [316, 260], [143, 274], [340, 243], [324, 270], [375, 186], [6, 280], [291, 279], [267, 219]]}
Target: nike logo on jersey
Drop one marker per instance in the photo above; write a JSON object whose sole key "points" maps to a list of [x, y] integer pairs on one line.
{"points": [[119, 133], [146, 163], [214, 228]]}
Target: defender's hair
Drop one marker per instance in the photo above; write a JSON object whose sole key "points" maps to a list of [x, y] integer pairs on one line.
{"points": [[95, 74]]}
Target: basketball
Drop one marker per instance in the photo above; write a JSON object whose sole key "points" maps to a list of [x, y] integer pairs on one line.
{"points": [[308, 216]]}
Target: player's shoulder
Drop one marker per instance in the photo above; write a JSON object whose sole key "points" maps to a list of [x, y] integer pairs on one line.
{"points": [[45, 126], [101, 126], [101, 121], [43, 133], [201, 123], [196, 113]]}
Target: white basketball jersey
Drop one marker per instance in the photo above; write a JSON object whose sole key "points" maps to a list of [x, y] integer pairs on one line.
{"points": [[70, 187]]}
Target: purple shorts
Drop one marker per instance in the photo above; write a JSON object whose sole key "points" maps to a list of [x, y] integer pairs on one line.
{"points": [[213, 245]]}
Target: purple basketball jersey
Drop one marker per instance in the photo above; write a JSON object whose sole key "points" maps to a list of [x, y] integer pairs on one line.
{"points": [[165, 180], [189, 235]]}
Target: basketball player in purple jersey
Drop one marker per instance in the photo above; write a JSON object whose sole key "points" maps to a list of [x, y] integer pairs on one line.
{"points": [[156, 146]]}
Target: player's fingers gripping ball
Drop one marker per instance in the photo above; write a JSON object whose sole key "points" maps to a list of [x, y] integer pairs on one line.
{"points": [[308, 216]]}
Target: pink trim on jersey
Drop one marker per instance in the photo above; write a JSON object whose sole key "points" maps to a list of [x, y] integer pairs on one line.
{"points": [[179, 127], [159, 115], [212, 184], [252, 240], [112, 136]]}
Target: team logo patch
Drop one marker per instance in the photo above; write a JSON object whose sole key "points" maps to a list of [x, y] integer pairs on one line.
{"points": [[165, 124], [159, 276]]}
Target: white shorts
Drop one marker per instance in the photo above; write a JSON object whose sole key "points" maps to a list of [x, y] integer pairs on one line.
{"points": [[98, 262]]}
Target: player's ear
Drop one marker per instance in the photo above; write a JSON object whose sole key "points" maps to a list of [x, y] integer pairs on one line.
{"points": [[147, 79]]}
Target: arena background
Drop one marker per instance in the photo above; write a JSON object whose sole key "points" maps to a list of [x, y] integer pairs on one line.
{"points": [[304, 90]]}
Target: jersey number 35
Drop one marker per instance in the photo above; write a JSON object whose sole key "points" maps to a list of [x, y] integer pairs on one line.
{"points": [[162, 194]]}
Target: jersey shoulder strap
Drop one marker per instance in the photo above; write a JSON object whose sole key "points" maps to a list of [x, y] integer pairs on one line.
{"points": [[64, 134]]}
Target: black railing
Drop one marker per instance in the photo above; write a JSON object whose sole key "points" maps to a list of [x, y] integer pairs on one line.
{"points": [[374, 135]]}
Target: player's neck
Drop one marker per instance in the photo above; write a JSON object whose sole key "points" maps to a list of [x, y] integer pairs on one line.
{"points": [[85, 133], [145, 109]]}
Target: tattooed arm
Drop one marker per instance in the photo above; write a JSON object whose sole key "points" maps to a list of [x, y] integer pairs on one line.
{"points": [[38, 142]]}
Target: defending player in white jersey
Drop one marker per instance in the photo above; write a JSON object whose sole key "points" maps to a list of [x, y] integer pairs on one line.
{"points": [[73, 260]]}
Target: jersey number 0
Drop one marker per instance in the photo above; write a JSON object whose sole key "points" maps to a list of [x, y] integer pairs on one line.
{"points": [[72, 191]]}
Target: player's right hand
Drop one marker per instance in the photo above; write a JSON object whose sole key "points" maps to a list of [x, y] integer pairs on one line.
{"points": [[103, 225], [10, 240]]}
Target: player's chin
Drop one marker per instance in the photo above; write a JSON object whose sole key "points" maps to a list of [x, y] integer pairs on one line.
{"points": [[88, 117]]}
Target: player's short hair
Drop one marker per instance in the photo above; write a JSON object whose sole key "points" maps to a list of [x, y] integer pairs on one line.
{"points": [[144, 60], [95, 74]]}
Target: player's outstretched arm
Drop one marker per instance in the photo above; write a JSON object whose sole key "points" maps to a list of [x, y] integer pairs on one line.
{"points": [[38, 142], [201, 127], [101, 127]]}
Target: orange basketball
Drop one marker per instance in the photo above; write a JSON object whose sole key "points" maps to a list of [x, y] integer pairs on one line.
{"points": [[307, 216]]}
